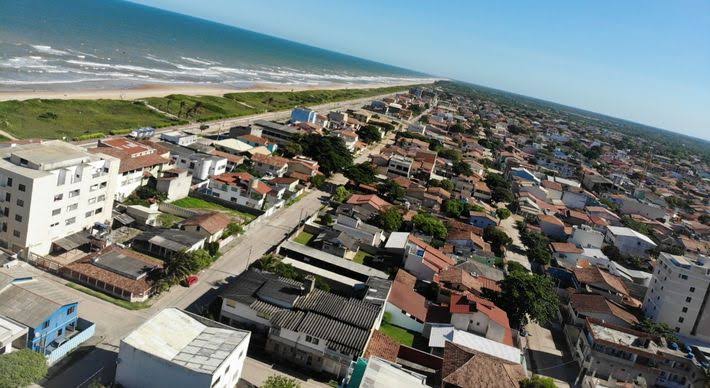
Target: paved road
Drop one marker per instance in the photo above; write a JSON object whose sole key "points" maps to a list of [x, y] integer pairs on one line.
{"points": [[114, 323], [547, 350], [516, 252]]}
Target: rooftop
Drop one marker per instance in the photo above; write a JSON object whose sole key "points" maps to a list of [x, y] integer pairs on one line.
{"points": [[187, 340]]}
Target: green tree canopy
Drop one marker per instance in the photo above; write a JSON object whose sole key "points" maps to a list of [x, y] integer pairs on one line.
{"points": [[537, 382], [329, 151], [22, 368], [430, 225], [503, 213], [279, 381], [392, 190], [369, 134], [341, 194], [524, 296], [498, 239], [363, 173], [500, 188], [657, 329], [390, 220]]}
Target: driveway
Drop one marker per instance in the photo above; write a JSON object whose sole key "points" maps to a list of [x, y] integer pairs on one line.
{"points": [[516, 251], [548, 354]]}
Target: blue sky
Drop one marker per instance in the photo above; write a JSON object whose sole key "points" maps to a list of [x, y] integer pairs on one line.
{"points": [[647, 61]]}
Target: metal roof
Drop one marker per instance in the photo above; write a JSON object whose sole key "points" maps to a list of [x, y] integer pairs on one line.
{"points": [[31, 302]]}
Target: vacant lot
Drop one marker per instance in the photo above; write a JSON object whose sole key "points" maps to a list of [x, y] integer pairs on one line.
{"points": [[201, 204], [54, 119]]}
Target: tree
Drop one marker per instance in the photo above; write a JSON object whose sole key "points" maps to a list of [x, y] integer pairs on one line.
{"points": [[537, 382], [291, 149], [184, 264], [329, 151], [503, 213], [363, 173], [445, 184], [456, 208], [390, 220], [232, 229], [500, 188], [657, 329], [537, 246], [392, 190], [514, 266], [430, 225], [498, 239], [318, 181], [451, 154], [279, 381], [341, 194], [526, 296], [22, 368], [369, 134], [462, 168], [326, 219]]}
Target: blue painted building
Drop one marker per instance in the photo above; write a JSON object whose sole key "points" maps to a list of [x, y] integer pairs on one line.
{"points": [[50, 314], [303, 115]]}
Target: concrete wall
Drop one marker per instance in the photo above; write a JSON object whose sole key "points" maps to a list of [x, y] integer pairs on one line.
{"points": [[401, 319]]}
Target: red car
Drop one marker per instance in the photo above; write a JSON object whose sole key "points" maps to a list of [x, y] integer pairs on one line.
{"points": [[190, 281]]}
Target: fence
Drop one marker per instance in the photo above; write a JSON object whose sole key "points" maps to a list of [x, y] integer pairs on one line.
{"points": [[43, 263], [86, 330], [225, 203], [176, 210]]}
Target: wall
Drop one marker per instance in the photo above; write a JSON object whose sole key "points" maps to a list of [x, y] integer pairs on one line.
{"points": [[401, 319], [60, 319], [137, 369], [87, 330]]}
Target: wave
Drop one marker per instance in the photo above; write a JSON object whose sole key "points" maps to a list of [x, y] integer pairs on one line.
{"points": [[48, 50], [199, 61]]}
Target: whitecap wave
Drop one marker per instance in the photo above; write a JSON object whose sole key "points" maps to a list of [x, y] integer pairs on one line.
{"points": [[199, 61], [48, 50]]}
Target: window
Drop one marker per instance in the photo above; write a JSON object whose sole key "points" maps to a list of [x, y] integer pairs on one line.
{"points": [[45, 324], [74, 193], [685, 309], [58, 197], [684, 277], [692, 289], [56, 212], [92, 201], [54, 224], [94, 187], [7, 197], [99, 210], [9, 182], [688, 299], [16, 233], [20, 203], [21, 187], [59, 332], [70, 310], [72, 207], [681, 319], [102, 185], [101, 197], [88, 214], [70, 221], [18, 218]]}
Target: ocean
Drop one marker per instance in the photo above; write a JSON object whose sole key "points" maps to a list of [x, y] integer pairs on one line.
{"points": [[103, 44]]}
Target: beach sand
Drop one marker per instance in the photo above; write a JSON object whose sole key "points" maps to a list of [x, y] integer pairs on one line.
{"points": [[161, 90]]}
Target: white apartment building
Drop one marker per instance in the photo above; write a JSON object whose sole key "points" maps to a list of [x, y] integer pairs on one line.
{"points": [[241, 188], [629, 241], [50, 190], [179, 138], [201, 166], [400, 165], [678, 295], [179, 349]]}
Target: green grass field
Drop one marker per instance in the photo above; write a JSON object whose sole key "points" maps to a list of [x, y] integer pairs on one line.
{"points": [[205, 108], [108, 298], [54, 119], [360, 257], [197, 203], [403, 336], [303, 238]]}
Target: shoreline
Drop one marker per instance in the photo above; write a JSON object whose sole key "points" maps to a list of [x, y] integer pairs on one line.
{"points": [[162, 90]]}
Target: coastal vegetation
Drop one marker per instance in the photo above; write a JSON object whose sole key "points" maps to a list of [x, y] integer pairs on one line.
{"points": [[91, 119]]}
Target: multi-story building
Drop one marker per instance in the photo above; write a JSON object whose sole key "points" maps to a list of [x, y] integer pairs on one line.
{"points": [[305, 115], [177, 349], [678, 295], [275, 166], [617, 354], [50, 190], [200, 166], [400, 165], [629, 241], [241, 188]]}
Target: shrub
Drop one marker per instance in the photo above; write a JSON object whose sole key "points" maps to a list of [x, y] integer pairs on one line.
{"points": [[22, 368], [89, 136]]}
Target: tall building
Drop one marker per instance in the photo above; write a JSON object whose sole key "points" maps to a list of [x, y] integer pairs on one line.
{"points": [[50, 190], [679, 295]]}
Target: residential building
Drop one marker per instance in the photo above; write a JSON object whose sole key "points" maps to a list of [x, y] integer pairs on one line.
{"points": [[305, 115], [241, 188], [586, 237], [585, 305], [628, 241], [400, 165], [50, 190], [622, 355], [50, 315], [378, 373], [166, 243], [278, 133], [439, 335], [424, 261], [678, 295], [175, 348], [367, 205], [275, 166], [179, 138], [464, 367], [480, 316], [551, 226], [209, 225], [123, 273], [175, 183], [482, 220], [407, 308], [200, 166], [137, 161], [12, 336], [364, 233]]}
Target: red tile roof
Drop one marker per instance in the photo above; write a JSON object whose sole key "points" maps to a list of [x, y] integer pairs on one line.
{"points": [[369, 199], [129, 162], [465, 367], [382, 346], [433, 258], [469, 303], [565, 247], [404, 297], [211, 222]]}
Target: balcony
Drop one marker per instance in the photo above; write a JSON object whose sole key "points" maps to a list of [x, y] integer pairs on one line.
{"points": [[70, 340]]}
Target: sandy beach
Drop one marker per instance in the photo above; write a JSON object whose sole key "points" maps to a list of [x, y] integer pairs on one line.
{"points": [[160, 90]]}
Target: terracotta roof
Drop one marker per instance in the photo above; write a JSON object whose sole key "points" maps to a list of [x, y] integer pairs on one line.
{"points": [[129, 162], [433, 258], [454, 226], [235, 159], [254, 139], [464, 367], [85, 267], [595, 303], [404, 297], [565, 247], [382, 346], [469, 303], [406, 278], [595, 275], [550, 219], [551, 185], [460, 276], [275, 161], [211, 222], [369, 199], [243, 178]]}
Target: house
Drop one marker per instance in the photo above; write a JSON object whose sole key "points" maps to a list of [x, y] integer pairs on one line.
{"points": [[368, 205], [209, 225], [349, 137], [311, 328], [628, 241], [482, 220], [480, 316], [464, 367], [459, 279], [595, 279], [551, 226], [175, 348], [406, 308], [275, 166], [137, 160], [424, 261], [306, 115], [234, 146], [400, 165], [175, 183], [583, 305], [278, 133], [566, 253], [200, 166], [337, 243], [144, 215], [364, 233], [439, 335], [49, 314], [166, 243], [123, 273], [378, 373], [52, 190], [241, 188], [179, 138], [258, 141], [467, 242], [302, 168], [586, 237], [481, 191], [13, 336], [356, 272]]}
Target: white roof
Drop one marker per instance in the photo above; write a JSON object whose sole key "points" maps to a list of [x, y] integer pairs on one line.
{"points": [[9, 331], [397, 240], [440, 334], [234, 144], [312, 269], [628, 232], [178, 337], [383, 374]]}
